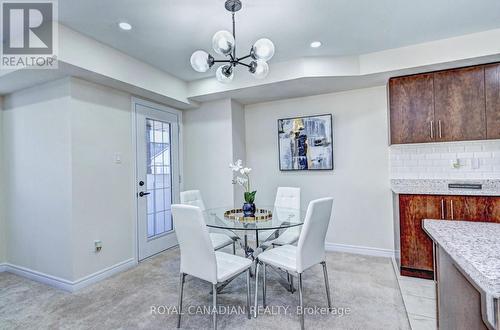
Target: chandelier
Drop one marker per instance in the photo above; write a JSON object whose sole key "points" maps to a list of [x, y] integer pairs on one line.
{"points": [[224, 43]]}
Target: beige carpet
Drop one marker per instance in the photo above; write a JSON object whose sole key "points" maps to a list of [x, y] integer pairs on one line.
{"points": [[363, 288]]}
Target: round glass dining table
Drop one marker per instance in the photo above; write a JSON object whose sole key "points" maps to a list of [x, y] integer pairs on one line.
{"points": [[279, 219]]}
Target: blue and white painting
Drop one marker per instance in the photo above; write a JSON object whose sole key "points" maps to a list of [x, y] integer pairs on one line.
{"points": [[305, 143]]}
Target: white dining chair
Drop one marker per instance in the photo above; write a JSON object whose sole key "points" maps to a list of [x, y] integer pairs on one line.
{"points": [[199, 259], [220, 237], [309, 251], [286, 198]]}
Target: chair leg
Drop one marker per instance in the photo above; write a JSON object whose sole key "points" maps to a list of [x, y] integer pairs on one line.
{"points": [[214, 315], [301, 303], [248, 293], [256, 287], [327, 285], [264, 285], [234, 247], [181, 291], [292, 290]]}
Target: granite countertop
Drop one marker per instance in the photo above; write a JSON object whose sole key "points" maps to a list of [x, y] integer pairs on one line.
{"points": [[474, 246], [440, 187]]}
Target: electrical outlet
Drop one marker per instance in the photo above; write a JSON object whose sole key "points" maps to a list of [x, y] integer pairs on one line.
{"points": [[98, 245], [455, 163]]}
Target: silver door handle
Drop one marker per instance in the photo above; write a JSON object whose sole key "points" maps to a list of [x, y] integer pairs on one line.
{"points": [[442, 209], [451, 203], [432, 129], [439, 129]]}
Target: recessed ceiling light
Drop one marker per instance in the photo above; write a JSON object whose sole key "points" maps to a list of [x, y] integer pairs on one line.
{"points": [[316, 44], [125, 26]]}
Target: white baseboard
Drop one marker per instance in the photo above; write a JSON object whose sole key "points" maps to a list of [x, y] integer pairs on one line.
{"points": [[64, 284], [34, 275], [355, 249], [104, 273]]}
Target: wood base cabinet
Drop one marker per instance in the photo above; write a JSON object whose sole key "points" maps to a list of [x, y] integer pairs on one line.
{"points": [[416, 246]]}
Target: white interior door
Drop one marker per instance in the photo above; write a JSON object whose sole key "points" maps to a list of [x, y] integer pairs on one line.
{"points": [[157, 134]]}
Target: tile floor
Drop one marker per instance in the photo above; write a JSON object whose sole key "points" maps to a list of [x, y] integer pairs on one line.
{"points": [[419, 297]]}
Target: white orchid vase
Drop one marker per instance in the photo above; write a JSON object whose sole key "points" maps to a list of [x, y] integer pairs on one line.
{"points": [[244, 181]]}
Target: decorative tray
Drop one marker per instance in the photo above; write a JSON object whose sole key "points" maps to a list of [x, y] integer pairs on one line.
{"points": [[237, 214]]}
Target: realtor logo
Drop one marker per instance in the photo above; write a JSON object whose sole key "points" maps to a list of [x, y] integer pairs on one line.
{"points": [[29, 34]]}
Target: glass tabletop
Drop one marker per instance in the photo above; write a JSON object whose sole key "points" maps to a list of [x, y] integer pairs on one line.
{"points": [[272, 218]]}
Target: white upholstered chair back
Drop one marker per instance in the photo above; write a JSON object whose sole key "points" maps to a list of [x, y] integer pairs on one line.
{"points": [[288, 197], [197, 252], [311, 244], [192, 197]]}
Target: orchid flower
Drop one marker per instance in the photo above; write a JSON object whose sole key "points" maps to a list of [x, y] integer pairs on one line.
{"points": [[241, 181], [245, 170], [237, 166]]}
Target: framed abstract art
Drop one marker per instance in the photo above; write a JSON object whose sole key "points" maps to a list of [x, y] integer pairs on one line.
{"points": [[305, 143]]}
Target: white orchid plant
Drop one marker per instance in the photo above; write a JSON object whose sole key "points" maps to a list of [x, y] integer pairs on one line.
{"points": [[244, 181]]}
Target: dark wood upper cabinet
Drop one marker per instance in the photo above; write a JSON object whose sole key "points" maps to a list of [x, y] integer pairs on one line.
{"points": [[412, 109], [459, 104], [492, 84], [452, 105]]}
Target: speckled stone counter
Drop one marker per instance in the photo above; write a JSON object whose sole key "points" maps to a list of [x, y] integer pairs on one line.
{"points": [[474, 246], [440, 187]]}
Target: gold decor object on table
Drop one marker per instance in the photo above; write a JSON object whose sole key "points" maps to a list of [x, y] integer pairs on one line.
{"points": [[237, 214]]}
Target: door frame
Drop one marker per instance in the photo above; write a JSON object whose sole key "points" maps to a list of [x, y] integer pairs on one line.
{"points": [[138, 101]]}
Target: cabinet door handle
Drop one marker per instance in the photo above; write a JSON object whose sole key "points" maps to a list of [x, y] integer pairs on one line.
{"points": [[451, 203], [442, 209], [432, 129], [439, 129]]}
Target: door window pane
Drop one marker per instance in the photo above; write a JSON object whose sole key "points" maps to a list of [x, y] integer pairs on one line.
{"points": [[158, 177]]}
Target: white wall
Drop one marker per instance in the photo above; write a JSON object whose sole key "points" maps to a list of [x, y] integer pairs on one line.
{"points": [[102, 190], [239, 144], [37, 171], [65, 188], [359, 184], [207, 137], [3, 237], [477, 159]]}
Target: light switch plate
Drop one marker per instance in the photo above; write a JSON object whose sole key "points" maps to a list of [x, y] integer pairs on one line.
{"points": [[118, 157]]}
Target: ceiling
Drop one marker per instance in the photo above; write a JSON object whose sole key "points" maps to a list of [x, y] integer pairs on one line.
{"points": [[166, 32]]}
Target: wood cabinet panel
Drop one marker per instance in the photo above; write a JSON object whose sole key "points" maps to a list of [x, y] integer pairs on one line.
{"points": [[412, 108], [416, 246], [473, 208], [459, 104], [492, 85]]}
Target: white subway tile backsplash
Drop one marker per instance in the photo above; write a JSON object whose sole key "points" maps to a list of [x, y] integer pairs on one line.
{"points": [[417, 156], [465, 155], [425, 162], [473, 148], [410, 163], [483, 154], [477, 159], [432, 156]]}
